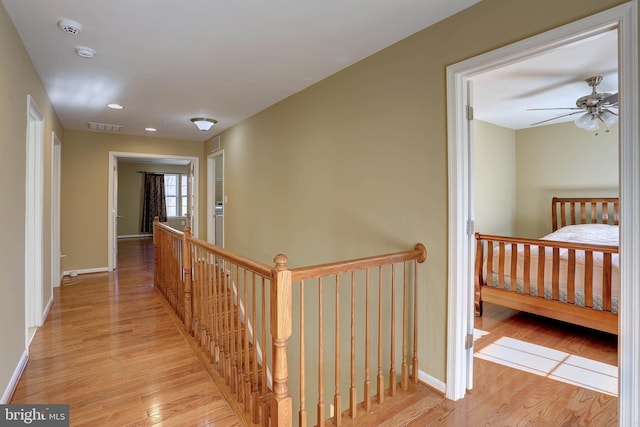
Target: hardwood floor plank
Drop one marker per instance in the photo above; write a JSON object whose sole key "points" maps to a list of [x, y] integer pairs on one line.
{"points": [[111, 350]]}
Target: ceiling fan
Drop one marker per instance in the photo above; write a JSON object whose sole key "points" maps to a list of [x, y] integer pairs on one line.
{"points": [[596, 107]]}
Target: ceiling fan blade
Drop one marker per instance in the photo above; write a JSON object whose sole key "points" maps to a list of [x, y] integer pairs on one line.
{"points": [[560, 108], [611, 99], [557, 117]]}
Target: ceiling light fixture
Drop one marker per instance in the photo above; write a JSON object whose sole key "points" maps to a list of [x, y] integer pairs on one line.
{"points": [[115, 106], [589, 120], [150, 129], [203, 123]]}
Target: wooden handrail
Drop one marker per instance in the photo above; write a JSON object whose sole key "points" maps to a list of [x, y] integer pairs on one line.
{"points": [[316, 271], [220, 296], [239, 260]]}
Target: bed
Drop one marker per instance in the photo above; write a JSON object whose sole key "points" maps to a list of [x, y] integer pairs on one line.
{"points": [[571, 274]]}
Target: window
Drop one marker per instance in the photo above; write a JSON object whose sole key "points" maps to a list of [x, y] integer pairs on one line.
{"points": [[175, 189]]}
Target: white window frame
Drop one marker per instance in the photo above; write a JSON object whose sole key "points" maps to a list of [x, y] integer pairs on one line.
{"points": [[179, 195]]}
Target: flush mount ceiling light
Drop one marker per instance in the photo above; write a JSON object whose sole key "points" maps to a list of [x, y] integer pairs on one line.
{"points": [[203, 123], [69, 26], [115, 106], [150, 129], [85, 52]]}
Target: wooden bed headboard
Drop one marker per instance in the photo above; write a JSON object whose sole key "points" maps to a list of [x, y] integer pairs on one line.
{"points": [[584, 210]]}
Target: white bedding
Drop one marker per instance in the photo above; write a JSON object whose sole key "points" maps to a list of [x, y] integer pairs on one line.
{"points": [[598, 234]]}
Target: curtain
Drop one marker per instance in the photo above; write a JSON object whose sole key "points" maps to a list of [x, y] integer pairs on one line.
{"points": [[153, 203]]}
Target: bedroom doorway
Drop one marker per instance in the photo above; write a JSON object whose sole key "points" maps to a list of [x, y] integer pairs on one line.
{"points": [[155, 160], [461, 206]]}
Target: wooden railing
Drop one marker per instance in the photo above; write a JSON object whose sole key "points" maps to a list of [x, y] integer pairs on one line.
{"points": [[237, 308]]}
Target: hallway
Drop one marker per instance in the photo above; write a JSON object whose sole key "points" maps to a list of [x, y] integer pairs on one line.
{"points": [[111, 350]]}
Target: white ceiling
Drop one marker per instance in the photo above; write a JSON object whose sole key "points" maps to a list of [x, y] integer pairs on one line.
{"points": [[554, 79], [167, 61]]}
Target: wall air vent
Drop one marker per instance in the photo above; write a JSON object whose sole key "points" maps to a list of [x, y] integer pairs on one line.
{"points": [[104, 127]]}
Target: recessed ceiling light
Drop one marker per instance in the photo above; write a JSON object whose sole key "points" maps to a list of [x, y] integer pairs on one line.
{"points": [[150, 129], [85, 52], [115, 106]]}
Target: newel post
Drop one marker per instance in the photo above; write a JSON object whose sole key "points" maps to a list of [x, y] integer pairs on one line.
{"points": [[281, 403], [186, 270]]}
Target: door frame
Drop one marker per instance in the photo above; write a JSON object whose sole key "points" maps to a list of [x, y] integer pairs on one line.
{"points": [[112, 238], [211, 195], [56, 251], [460, 283], [34, 218]]}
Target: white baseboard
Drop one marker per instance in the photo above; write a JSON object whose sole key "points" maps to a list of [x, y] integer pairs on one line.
{"points": [[135, 236], [432, 381], [17, 373], [86, 271], [47, 309], [59, 280]]}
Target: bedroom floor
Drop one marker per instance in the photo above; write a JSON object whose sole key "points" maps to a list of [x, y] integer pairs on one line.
{"points": [[537, 367]]}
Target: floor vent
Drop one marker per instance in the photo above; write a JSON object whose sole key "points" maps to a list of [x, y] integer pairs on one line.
{"points": [[104, 127]]}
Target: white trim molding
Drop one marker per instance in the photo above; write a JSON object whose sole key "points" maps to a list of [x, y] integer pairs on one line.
{"points": [[85, 271], [624, 19], [432, 382]]}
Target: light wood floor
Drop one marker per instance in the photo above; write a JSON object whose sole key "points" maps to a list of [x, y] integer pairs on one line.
{"points": [[110, 349], [112, 352]]}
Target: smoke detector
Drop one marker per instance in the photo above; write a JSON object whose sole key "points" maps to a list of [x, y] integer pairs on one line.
{"points": [[69, 26]]}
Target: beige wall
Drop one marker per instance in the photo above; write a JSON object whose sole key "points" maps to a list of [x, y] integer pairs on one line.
{"points": [[131, 192], [18, 79], [518, 172], [357, 164], [85, 174], [494, 179], [561, 160]]}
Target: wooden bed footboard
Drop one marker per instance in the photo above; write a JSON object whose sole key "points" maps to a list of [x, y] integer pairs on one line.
{"points": [[575, 283]]}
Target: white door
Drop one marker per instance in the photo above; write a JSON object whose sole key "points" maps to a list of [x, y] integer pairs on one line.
{"points": [[215, 198], [114, 214], [469, 313], [190, 195]]}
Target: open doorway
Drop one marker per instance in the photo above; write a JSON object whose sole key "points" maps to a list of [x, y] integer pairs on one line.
{"points": [[460, 359], [34, 221], [529, 149], [135, 165]]}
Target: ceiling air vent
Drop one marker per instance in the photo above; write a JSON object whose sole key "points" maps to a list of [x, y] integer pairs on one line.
{"points": [[104, 127]]}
